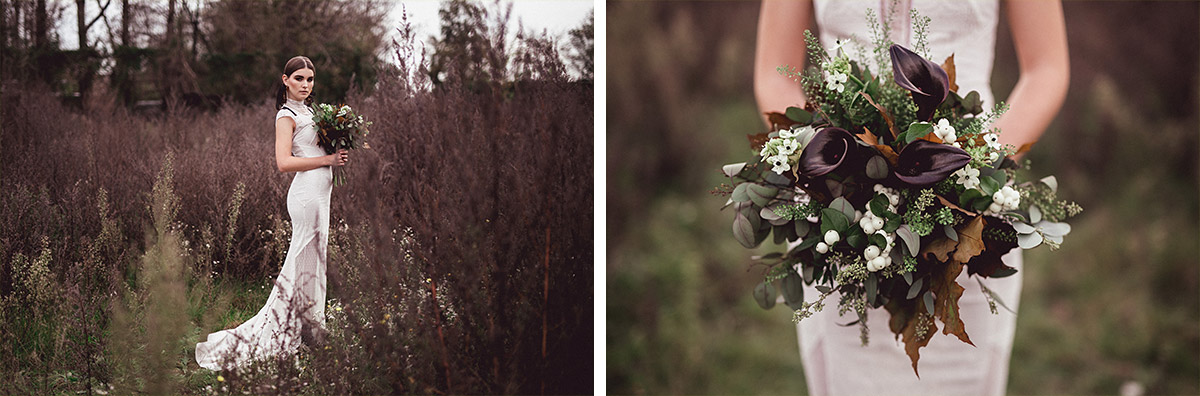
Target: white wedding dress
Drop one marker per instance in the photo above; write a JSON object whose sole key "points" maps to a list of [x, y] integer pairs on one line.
{"points": [[835, 362], [297, 301]]}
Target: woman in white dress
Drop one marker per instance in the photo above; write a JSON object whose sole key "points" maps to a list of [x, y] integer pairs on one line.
{"points": [[296, 306], [835, 362]]}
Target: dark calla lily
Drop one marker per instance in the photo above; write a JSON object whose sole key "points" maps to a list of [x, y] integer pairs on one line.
{"points": [[923, 163], [826, 152], [927, 81]]}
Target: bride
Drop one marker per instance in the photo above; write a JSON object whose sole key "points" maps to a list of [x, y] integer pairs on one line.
{"points": [[295, 309], [834, 360]]}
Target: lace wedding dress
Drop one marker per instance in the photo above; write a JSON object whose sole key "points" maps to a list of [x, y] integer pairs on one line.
{"points": [[835, 362], [297, 301]]}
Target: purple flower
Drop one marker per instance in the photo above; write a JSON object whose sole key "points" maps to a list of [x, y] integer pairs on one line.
{"points": [[826, 152], [927, 81], [923, 163]]}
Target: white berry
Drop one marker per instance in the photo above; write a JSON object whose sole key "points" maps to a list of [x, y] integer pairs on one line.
{"points": [[822, 248], [831, 237]]}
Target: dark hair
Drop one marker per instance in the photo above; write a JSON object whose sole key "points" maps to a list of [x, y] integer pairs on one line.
{"points": [[296, 63]]}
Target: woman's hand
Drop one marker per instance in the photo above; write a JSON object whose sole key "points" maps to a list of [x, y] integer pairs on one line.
{"points": [[340, 158]]}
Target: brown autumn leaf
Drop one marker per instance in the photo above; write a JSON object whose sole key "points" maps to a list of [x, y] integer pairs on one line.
{"points": [[778, 120], [948, 66], [886, 117], [888, 153], [970, 240], [1025, 147], [946, 293], [952, 206], [931, 137], [939, 249], [868, 137], [757, 141], [912, 344]]}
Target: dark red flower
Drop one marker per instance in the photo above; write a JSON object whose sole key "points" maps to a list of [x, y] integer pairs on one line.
{"points": [[923, 163], [827, 151], [927, 81]]}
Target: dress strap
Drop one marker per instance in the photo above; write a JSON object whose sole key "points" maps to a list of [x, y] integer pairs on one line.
{"points": [[289, 109]]}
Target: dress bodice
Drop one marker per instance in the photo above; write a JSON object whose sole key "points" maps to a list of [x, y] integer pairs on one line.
{"points": [[304, 138], [965, 28]]}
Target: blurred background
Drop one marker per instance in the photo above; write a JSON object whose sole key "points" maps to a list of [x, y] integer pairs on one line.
{"points": [[141, 209], [1116, 310]]}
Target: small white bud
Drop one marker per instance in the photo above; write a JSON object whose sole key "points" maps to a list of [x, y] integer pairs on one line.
{"points": [[995, 207], [831, 237]]}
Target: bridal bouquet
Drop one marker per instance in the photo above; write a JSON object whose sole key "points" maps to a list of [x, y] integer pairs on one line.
{"points": [[887, 185], [339, 127]]}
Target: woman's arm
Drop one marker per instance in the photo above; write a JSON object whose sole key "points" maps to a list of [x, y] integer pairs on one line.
{"points": [[781, 25], [283, 151], [1040, 37]]}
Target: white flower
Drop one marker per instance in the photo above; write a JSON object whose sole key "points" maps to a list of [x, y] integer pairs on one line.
{"points": [[836, 81], [768, 149], [786, 134], [804, 134], [944, 131], [831, 237], [788, 146], [992, 140], [779, 163], [968, 177]]}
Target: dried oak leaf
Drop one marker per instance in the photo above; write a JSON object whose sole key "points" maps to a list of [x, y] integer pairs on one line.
{"points": [[757, 141], [946, 293], [948, 66], [904, 322], [970, 240], [778, 120]]}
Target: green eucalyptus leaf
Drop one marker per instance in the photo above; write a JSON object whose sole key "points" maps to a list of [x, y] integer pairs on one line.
{"points": [[1000, 177], [793, 290], [823, 289], [877, 168], [908, 278], [761, 195], [835, 187], [1035, 214], [739, 193], [951, 233], [872, 285], [807, 272], [775, 179], [844, 206], [915, 288], [764, 295], [929, 302], [732, 170], [743, 231], [799, 115], [805, 244], [802, 227], [911, 241]]}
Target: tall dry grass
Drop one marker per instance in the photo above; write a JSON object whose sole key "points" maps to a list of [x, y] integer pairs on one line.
{"points": [[459, 260]]}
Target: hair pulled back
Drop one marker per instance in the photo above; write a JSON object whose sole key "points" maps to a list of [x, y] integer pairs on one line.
{"points": [[296, 63]]}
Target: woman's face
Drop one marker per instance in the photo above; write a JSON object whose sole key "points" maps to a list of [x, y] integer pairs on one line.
{"points": [[299, 84]]}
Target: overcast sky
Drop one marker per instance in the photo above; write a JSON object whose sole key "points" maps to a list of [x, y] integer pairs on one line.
{"points": [[557, 17]]}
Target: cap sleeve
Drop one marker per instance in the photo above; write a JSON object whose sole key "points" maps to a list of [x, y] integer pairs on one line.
{"points": [[285, 112]]}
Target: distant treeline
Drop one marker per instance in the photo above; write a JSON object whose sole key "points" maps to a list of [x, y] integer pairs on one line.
{"points": [[203, 52]]}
